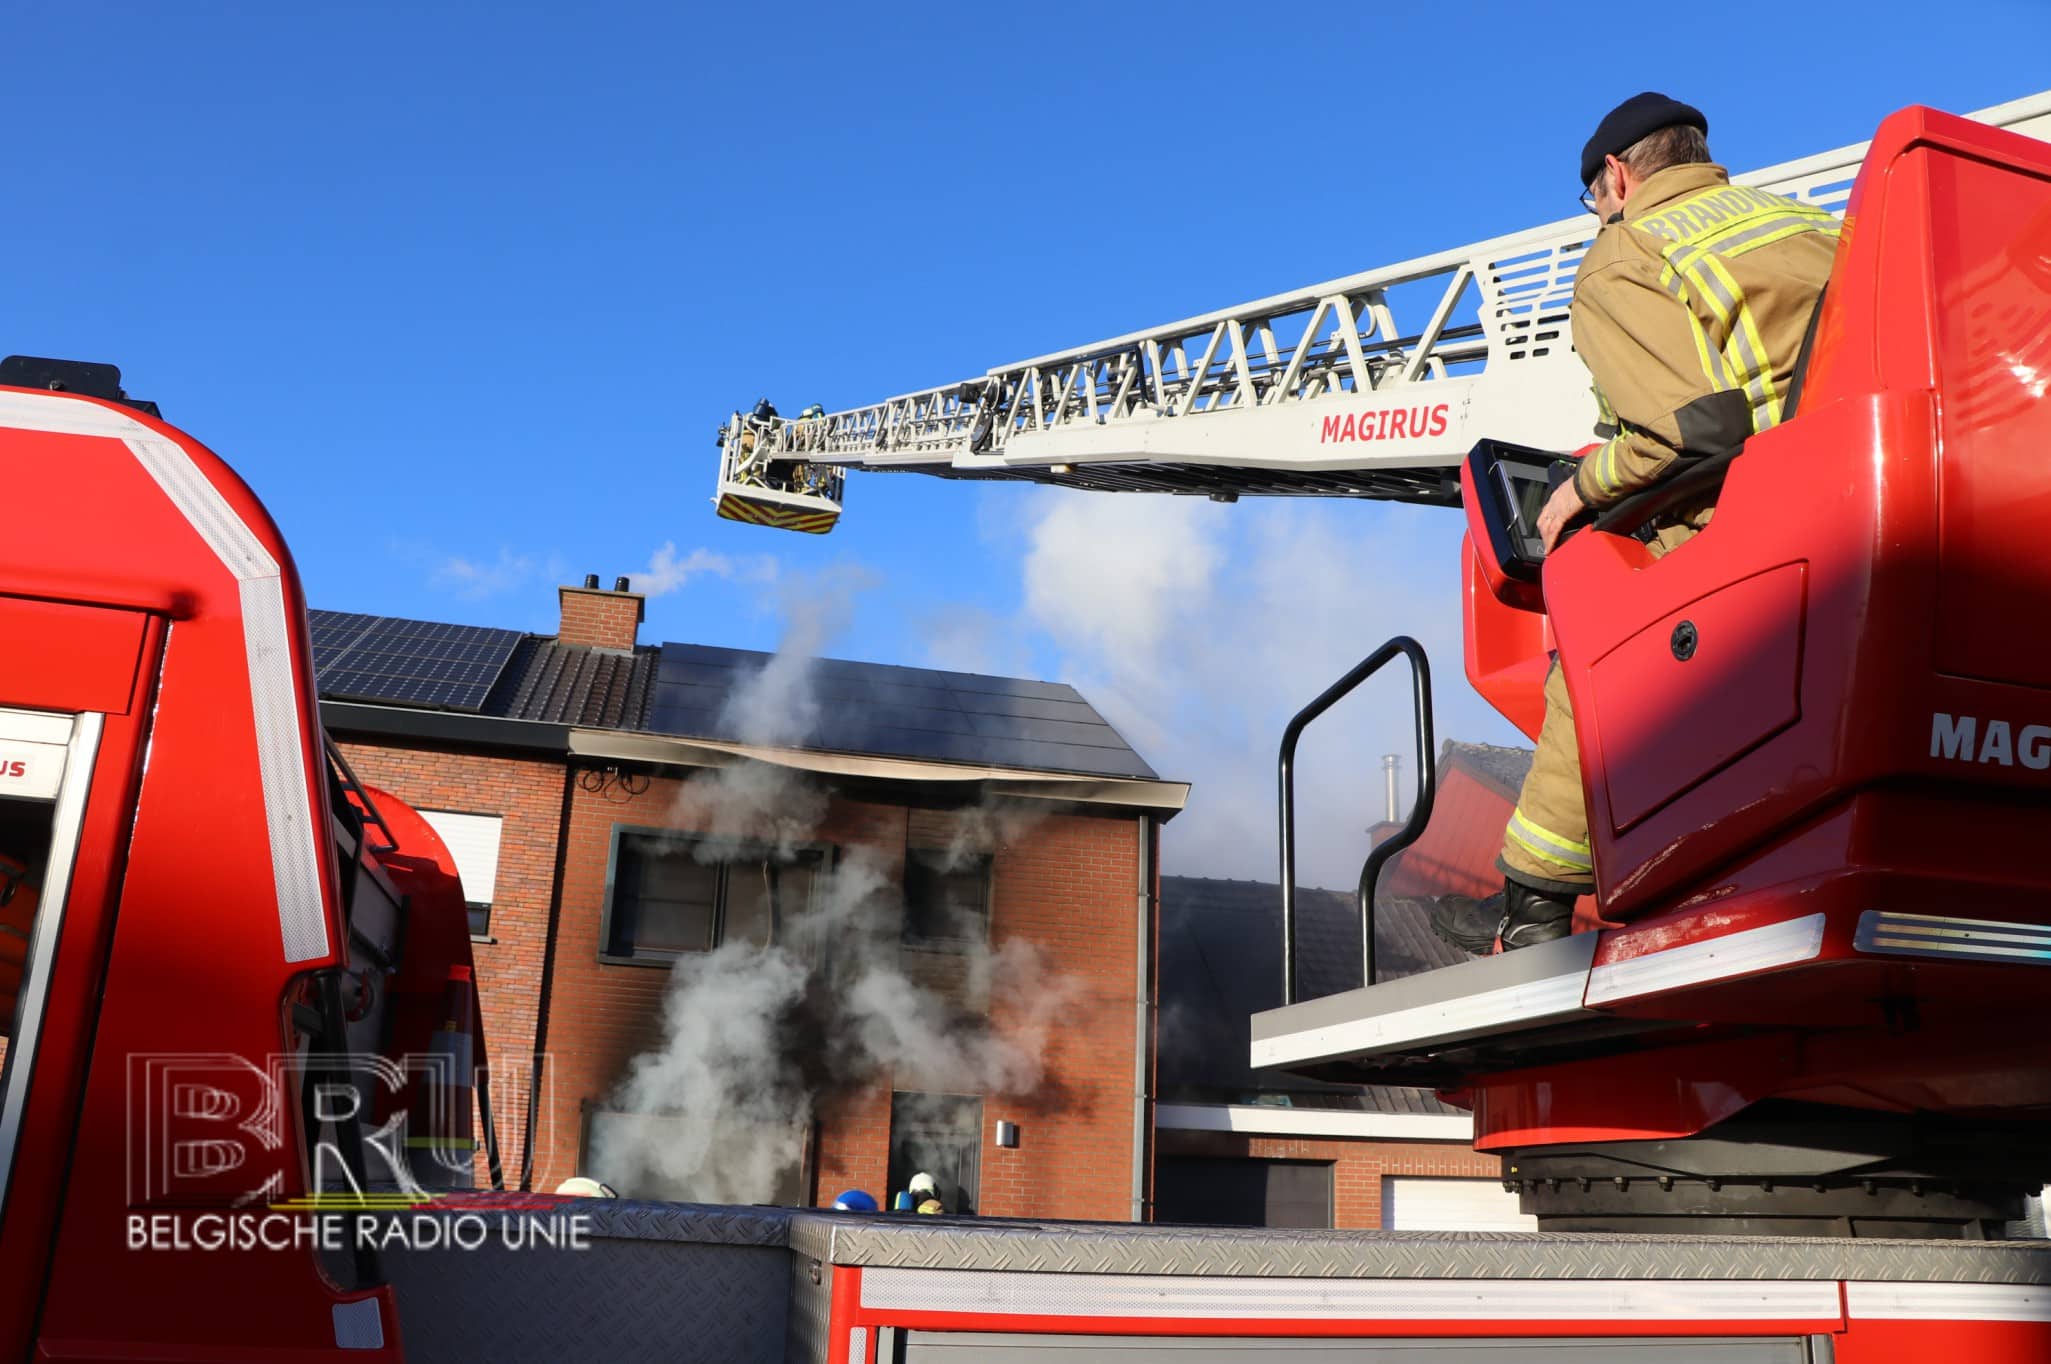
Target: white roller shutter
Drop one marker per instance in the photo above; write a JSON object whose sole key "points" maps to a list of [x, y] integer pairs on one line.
{"points": [[1450, 1205], [474, 842]]}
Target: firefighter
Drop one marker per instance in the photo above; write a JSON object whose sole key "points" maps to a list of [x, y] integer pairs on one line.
{"points": [[1690, 308], [925, 1194]]}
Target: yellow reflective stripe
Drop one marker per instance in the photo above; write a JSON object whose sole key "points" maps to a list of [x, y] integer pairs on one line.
{"points": [[1722, 212], [1605, 415], [735, 508], [1543, 843], [1747, 348], [1793, 229], [1740, 233], [1695, 237], [1711, 357], [1604, 462], [1719, 293], [1745, 366]]}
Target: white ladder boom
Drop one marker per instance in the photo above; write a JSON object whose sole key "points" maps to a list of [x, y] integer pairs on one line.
{"points": [[1375, 385]]}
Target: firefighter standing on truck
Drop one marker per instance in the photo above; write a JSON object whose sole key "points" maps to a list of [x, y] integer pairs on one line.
{"points": [[1690, 310]]}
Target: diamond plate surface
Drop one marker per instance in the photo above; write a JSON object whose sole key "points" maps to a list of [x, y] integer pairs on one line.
{"points": [[637, 1220], [811, 1307], [618, 1300], [685, 1282], [1120, 1248]]}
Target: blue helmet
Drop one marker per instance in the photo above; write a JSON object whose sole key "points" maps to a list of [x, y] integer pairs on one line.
{"points": [[855, 1200]]}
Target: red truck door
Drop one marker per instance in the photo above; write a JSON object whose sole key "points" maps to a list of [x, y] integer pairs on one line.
{"points": [[71, 734]]}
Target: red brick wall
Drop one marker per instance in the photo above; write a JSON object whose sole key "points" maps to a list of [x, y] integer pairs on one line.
{"points": [[527, 794], [608, 620], [1067, 883], [1358, 1163]]}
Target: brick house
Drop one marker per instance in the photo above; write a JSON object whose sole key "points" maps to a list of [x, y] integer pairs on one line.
{"points": [[1263, 1148], [587, 783]]}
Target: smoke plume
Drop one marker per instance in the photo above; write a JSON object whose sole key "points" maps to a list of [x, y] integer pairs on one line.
{"points": [[827, 996]]}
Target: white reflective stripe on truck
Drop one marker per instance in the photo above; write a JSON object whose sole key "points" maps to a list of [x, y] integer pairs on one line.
{"points": [[266, 637], [1947, 1302], [989, 1293]]}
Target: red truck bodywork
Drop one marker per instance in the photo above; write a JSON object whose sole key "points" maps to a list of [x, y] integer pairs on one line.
{"points": [[1875, 561], [1875, 571]]}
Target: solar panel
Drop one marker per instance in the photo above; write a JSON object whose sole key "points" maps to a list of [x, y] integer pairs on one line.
{"points": [[413, 662], [899, 711]]}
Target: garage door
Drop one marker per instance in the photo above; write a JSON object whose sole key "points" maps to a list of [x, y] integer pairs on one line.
{"points": [[1450, 1205]]}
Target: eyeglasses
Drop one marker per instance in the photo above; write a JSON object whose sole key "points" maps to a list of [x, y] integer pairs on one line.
{"points": [[1587, 196]]}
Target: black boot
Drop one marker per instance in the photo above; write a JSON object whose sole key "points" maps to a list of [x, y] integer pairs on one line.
{"points": [[1467, 923], [1520, 916], [1535, 916]]}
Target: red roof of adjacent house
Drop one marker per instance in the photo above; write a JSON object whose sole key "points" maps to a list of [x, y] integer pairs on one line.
{"points": [[1456, 855]]}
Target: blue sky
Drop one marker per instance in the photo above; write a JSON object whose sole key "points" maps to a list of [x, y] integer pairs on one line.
{"points": [[463, 290]]}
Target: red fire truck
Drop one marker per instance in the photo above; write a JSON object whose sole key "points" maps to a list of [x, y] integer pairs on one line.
{"points": [[239, 1052]]}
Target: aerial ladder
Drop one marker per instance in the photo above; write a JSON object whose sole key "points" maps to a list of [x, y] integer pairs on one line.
{"points": [[1815, 830], [1375, 385]]}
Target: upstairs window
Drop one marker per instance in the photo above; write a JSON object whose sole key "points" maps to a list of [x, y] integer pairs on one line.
{"points": [[473, 840], [670, 893], [946, 899]]}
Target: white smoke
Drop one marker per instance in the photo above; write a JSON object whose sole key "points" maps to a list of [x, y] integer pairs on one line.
{"points": [[667, 570], [777, 707], [725, 1068], [756, 1034], [1198, 629]]}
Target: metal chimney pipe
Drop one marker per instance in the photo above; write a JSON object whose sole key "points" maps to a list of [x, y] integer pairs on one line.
{"points": [[620, 584], [1392, 763], [590, 580]]}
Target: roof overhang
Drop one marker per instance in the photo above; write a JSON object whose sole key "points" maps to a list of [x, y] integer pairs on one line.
{"points": [[1261, 1120], [1136, 793], [444, 726]]}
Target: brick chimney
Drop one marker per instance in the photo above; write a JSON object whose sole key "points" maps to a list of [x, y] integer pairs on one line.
{"points": [[601, 619]]}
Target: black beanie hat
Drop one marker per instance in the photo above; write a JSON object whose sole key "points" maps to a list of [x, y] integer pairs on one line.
{"points": [[1638, 117]]}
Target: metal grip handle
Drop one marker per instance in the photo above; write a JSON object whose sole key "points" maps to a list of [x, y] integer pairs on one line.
{"points": [[1420, 813]]}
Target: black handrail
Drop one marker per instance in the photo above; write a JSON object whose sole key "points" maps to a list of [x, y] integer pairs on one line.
{"points": [[1420, 812]]}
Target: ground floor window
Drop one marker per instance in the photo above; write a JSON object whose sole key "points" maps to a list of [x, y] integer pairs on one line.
{"points": [[1243, 1192], [940, 1135], [691, 1158]]}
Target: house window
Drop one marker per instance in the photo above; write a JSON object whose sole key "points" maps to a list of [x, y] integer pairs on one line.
{"points": [[946, 899], [670, 893], [940, 1135], [473, 840]]}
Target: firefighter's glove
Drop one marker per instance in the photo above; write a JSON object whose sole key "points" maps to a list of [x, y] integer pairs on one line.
{"points": [[1562, 507]]}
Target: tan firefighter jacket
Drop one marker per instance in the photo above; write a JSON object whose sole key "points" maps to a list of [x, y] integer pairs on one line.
{"points": [[1690, 313]]}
